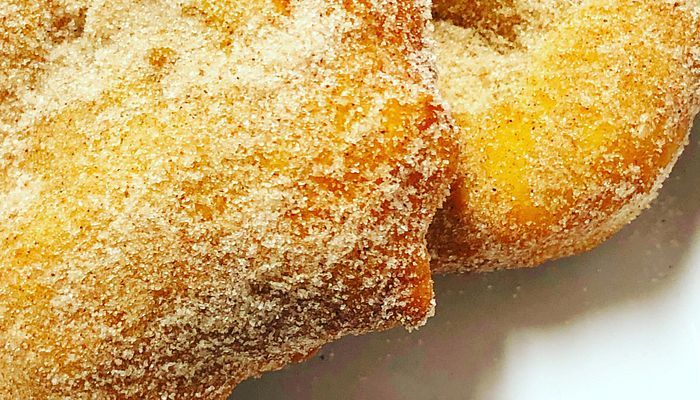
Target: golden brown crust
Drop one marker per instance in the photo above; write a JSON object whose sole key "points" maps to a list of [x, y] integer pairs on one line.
{"points": [[196, 192], [572, 114]]}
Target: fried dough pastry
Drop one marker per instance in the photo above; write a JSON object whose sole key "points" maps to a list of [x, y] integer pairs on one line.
{"points": [[195, 192], [571, 115]]}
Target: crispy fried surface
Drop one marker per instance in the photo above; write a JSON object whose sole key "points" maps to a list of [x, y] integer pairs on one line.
{"points": [[192, 193], [572, 114]]}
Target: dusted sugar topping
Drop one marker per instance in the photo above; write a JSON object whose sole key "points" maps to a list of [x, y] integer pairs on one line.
{"points": [[571, 115], [195, 192]]}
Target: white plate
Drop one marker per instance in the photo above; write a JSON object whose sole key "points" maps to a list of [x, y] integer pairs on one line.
{"points": [[620, 322]]}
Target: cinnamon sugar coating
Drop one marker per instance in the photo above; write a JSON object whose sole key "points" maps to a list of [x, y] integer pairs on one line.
{"points": [[195, 192], [571, 115]]}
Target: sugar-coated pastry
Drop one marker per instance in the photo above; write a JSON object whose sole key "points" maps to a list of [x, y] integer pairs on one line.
{"points": [[571, 115], [193, 192]]}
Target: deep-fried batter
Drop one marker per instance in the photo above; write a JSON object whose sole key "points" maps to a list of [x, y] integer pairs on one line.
{"points": [[572, 114], [195, 192]]}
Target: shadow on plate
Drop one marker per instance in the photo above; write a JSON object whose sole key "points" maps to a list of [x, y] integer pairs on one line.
{"points": [[461, 349]]}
